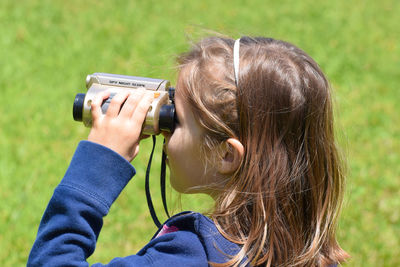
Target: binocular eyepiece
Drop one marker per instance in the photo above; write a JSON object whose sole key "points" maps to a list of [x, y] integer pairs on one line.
{"points": [[160, 116]]}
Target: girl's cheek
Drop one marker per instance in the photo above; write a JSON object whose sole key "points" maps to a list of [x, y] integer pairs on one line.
{"points": [[171, 146]]}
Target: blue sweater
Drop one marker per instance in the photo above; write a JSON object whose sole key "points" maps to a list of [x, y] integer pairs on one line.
{"points": [[73, 219]]}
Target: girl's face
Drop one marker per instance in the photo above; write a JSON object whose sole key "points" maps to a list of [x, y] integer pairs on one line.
{"points": [[184, 157]]}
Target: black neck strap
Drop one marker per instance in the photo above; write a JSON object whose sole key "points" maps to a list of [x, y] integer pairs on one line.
{"points": [[162, 184], [162, 181]]}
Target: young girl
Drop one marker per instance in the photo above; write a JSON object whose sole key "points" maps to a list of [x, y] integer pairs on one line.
{"points": [[255, 132]]}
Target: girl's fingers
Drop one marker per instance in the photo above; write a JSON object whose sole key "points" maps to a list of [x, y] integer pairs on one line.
{"points": [[142, 107], [96, 104], [116, 103], [131, 103]]}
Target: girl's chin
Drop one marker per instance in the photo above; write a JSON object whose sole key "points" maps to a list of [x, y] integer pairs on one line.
{"points": [[176, 185]]}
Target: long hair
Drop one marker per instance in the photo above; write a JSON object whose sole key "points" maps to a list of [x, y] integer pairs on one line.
{"points": [[282, 204]]}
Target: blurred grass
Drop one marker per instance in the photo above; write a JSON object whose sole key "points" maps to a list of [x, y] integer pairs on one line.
{"points": [[48, 47]]}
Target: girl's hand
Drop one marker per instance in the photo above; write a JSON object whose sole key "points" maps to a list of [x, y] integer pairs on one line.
{"points": [[119, 129]]}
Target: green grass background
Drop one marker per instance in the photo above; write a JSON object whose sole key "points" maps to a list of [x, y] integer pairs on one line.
{"points": [[48, 47]]}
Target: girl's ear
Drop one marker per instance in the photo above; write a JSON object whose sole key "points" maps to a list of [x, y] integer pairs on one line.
{"points": [[233, 152]]}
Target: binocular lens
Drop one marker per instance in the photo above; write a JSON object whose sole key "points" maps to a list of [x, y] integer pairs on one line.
{"points": [[167, 118], [77, 111], [166, 121]]}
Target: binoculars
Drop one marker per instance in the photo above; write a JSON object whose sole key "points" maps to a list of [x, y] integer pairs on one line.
{"points": [[160, 116]]}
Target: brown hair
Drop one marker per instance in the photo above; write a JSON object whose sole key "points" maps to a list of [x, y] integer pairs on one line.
{"points": [[282, 204]]}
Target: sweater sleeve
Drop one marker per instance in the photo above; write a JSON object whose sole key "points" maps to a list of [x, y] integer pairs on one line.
{"points": [[73, 219]]}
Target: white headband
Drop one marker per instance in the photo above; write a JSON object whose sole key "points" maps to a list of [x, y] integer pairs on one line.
{"points": [[236, 60]]}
